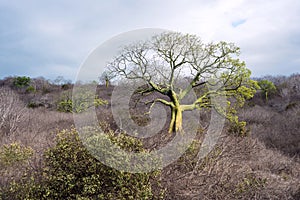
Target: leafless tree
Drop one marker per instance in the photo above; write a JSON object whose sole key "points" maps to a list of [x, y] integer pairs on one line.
{"points": [[106, 78], [11, 111]]}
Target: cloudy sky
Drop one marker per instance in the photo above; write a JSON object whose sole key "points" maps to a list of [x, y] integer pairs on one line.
{"points": [[53, 38]]}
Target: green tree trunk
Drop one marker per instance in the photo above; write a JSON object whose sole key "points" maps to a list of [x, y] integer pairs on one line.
{"points": [[176, 120]]}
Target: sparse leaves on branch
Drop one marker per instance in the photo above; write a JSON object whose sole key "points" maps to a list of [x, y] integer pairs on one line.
{"points": [[167, 59]]}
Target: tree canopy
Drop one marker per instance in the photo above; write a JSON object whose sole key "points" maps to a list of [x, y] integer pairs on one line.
{"points": [[164, 61], [267, 87]]}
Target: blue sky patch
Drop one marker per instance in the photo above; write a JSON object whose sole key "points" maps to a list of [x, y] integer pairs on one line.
{"points": [[238, 22]]}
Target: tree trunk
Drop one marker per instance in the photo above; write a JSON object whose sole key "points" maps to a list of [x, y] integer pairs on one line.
{"points": [[176, 120]]}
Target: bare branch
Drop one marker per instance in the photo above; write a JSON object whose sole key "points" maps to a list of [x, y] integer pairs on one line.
{"points": [[165, 102], [168, 57], [11, 111]]}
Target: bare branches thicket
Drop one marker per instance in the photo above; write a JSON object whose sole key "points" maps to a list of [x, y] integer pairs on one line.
{"points": [[12, 110], [238, 168]]}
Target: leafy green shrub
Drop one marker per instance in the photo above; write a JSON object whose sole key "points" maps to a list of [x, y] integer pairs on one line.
{"points": [[14, 160], [14, 153], [65, 105], [267, 87], [238, 128], [70, 172], [21, 81], [81, 103], [85, 177], [33, 105], [30, 89]]}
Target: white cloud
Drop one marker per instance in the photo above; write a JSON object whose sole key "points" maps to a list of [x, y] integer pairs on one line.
{"points": [[63, 34], [263, 38]]}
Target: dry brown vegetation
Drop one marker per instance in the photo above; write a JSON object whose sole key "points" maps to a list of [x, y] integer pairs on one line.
{"points": [[263, 165]]}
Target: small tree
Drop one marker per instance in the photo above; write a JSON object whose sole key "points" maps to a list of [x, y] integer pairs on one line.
{"points": [[165, 59], [21, 81], [267, 87], [60, 80], [12, 111], [80, 102], [106, 77]]}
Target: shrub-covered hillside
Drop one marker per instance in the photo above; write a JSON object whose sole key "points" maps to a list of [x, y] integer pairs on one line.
{"points": [[42, 157]]}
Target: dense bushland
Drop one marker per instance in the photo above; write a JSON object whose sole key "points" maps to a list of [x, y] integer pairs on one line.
{"points": [[70, 172], [41, 156]]}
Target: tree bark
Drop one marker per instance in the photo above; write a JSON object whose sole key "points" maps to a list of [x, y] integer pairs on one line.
{"points": [[176, 120]]}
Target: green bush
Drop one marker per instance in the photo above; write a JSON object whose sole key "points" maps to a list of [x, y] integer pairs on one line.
{"points": [[81, 103], [21, 81], [14, 153], [267, 87], [30, 89], [14, 160], [33, 105], [70, 172], [238, 128], [65, 105]]}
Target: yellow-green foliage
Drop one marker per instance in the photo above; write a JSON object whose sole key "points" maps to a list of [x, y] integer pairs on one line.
{"points": [[14, 153], [238, 127], [267, 87], [249, 183], [180, 52], [71, 172], [81, 103], [21, 81], [30, 89]]}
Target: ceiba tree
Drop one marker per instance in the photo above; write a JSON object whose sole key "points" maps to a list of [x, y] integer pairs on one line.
{"points": [[167, 58], [267, 87]]}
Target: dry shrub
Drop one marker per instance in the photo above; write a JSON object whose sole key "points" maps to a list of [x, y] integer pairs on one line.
{"points": [[71, 172], [256, 114], [238, 168], [33, 128], [38, 127], [14, 160], [37, 131], [278, 130], [12, 111], [277, 122]]}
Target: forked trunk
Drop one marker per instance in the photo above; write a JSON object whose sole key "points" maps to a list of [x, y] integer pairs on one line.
{"points": [[176, 120]]}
